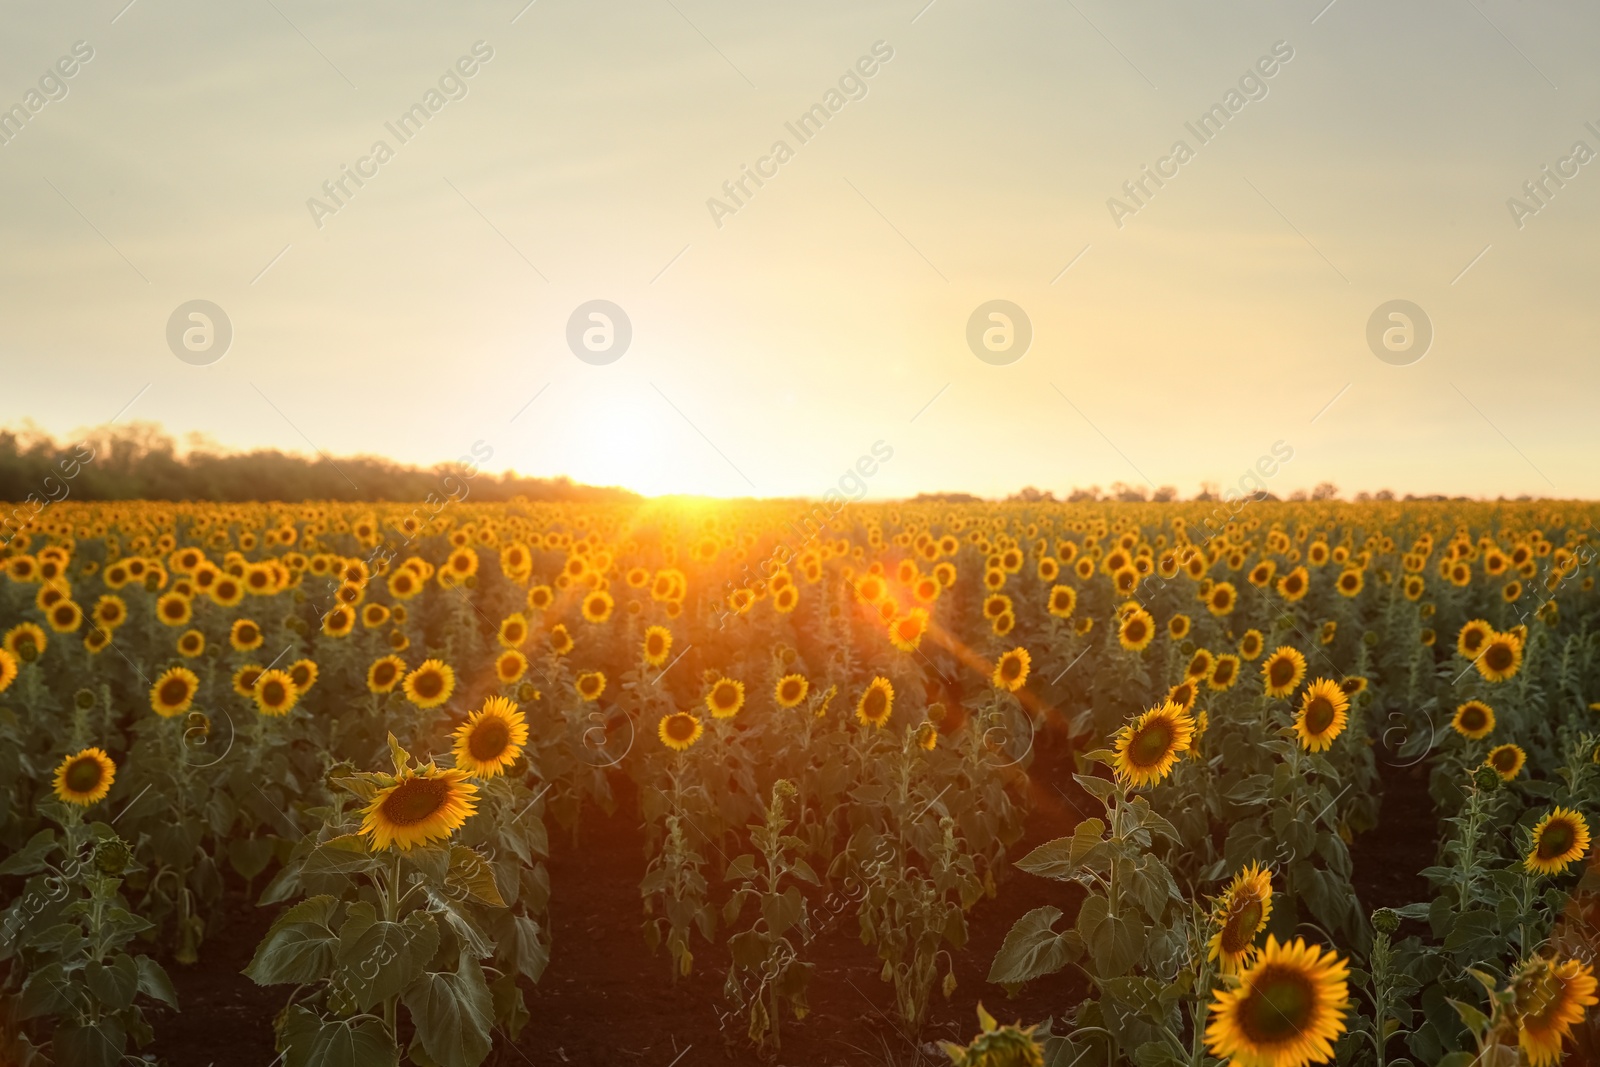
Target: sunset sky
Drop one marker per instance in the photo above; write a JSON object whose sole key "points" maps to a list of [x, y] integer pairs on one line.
{"points": [[776, 340]]}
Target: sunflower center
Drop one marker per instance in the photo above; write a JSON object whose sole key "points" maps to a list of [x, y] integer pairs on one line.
{"points": [[875, 704], [84, 775], [1240, 929], [384, 674], [1280, 673], [725, 696], [429, 684], [415, 800], [174, 691], [680, 727], [1556, 839], [791, 691], [1472, 717], [1151, 744], [1136, 630], [1278, 1007], [1319, 715], [489, 739], [1010, 668], [1498, 657], [274, 693], [1223, 673], [1504, 760]]}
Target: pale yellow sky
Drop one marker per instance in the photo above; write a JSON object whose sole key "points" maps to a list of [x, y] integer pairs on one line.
{"points": [[1226, 315]]}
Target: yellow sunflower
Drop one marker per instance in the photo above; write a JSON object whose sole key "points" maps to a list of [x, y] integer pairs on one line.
{"points": [[1474, 720], [1240, 914], [510, 665], [725, 698], [85, 777], [590, 684], [385, 673], [491, 739], [191, 643], [1178, 626], [657, 644], [906, 631], [1550, 1002], [1287, 1009], [245, 636], [1472, 637], [174, 691], [597, 606], [1136, 630], [430, 684], [275, 693], [1351, 582], [1148, 747], [560, 640], [1063, 601], [513, 630], [679, 730], [424, 805], [1293, 586], [25, 641], [1251, 644], [876, 703], [1224, 672], [1501, 657], [1011, 671], [8, 670], [1560, 839], [339, 621], [174, 609], [1507, 761], [1222, 598], [1323, 715], [1283, 670], [791, 690]]}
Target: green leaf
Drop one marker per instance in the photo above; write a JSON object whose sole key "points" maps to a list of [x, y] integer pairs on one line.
{"points": [[115, 984], [453, 1014], [1031, 948], [299, 947], [30, 858], [99, 1044], [1475, 1020], [1099, 788], [378, 959], [1116, 944], [344, 855], [532, 954], [249, 855], [471, 876], [310, 1041], [154, 983]]}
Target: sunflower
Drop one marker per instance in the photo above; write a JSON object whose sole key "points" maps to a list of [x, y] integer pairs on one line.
{"points": [[1199, 664], [1472, 637], [1322, 716], [1011, 672], [339, 621], [725, 698], [385, 673], [1222, 598], [430, 684], [1507, 761], [85, 777], [1178, 626], [791, 690], [1149, 746], [1286, 1011], [590, 684], [597, 606], [1353, 685], [227, 592], [424, 805], [25, 641], [275, 693], [491, 739], [1251, 644], [1350, 582], [1184, 694], [1063, 601], [1136, 630], [513, 630], [876, 703], [906, 631], [191, 643], [110, 611], [1224, 672], [1501, 657], [1559, 839], [244, 679], [1474, 720], [8, 670], [657, 643], [1293, 586], [560, 640], [1283, 670], [374, 615], [174, 691], [1241, 913], [510, 665], [679, 730], [1550, 1002]]}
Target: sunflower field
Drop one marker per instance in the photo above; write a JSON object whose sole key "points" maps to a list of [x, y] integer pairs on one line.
{"points": [[1325, 776]]}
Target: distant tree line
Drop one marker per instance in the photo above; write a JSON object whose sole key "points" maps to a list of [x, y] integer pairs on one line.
{"points": [[140, 461]]}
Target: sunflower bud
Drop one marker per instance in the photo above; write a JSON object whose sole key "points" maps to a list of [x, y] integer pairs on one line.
{"points": [[526, 693], [937, 713], [27, 651], [399, 614], [1386, 920], [1486, 778], [112, 856], [949, 984], [1370, 639], [84, 699]]}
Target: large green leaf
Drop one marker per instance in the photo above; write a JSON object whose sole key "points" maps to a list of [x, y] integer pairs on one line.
{"points": [[153, 982], [470, 876], [310, 1041], [299, 947], [378, 959], [1032, 948], [114, 984], [453, 1014]]}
